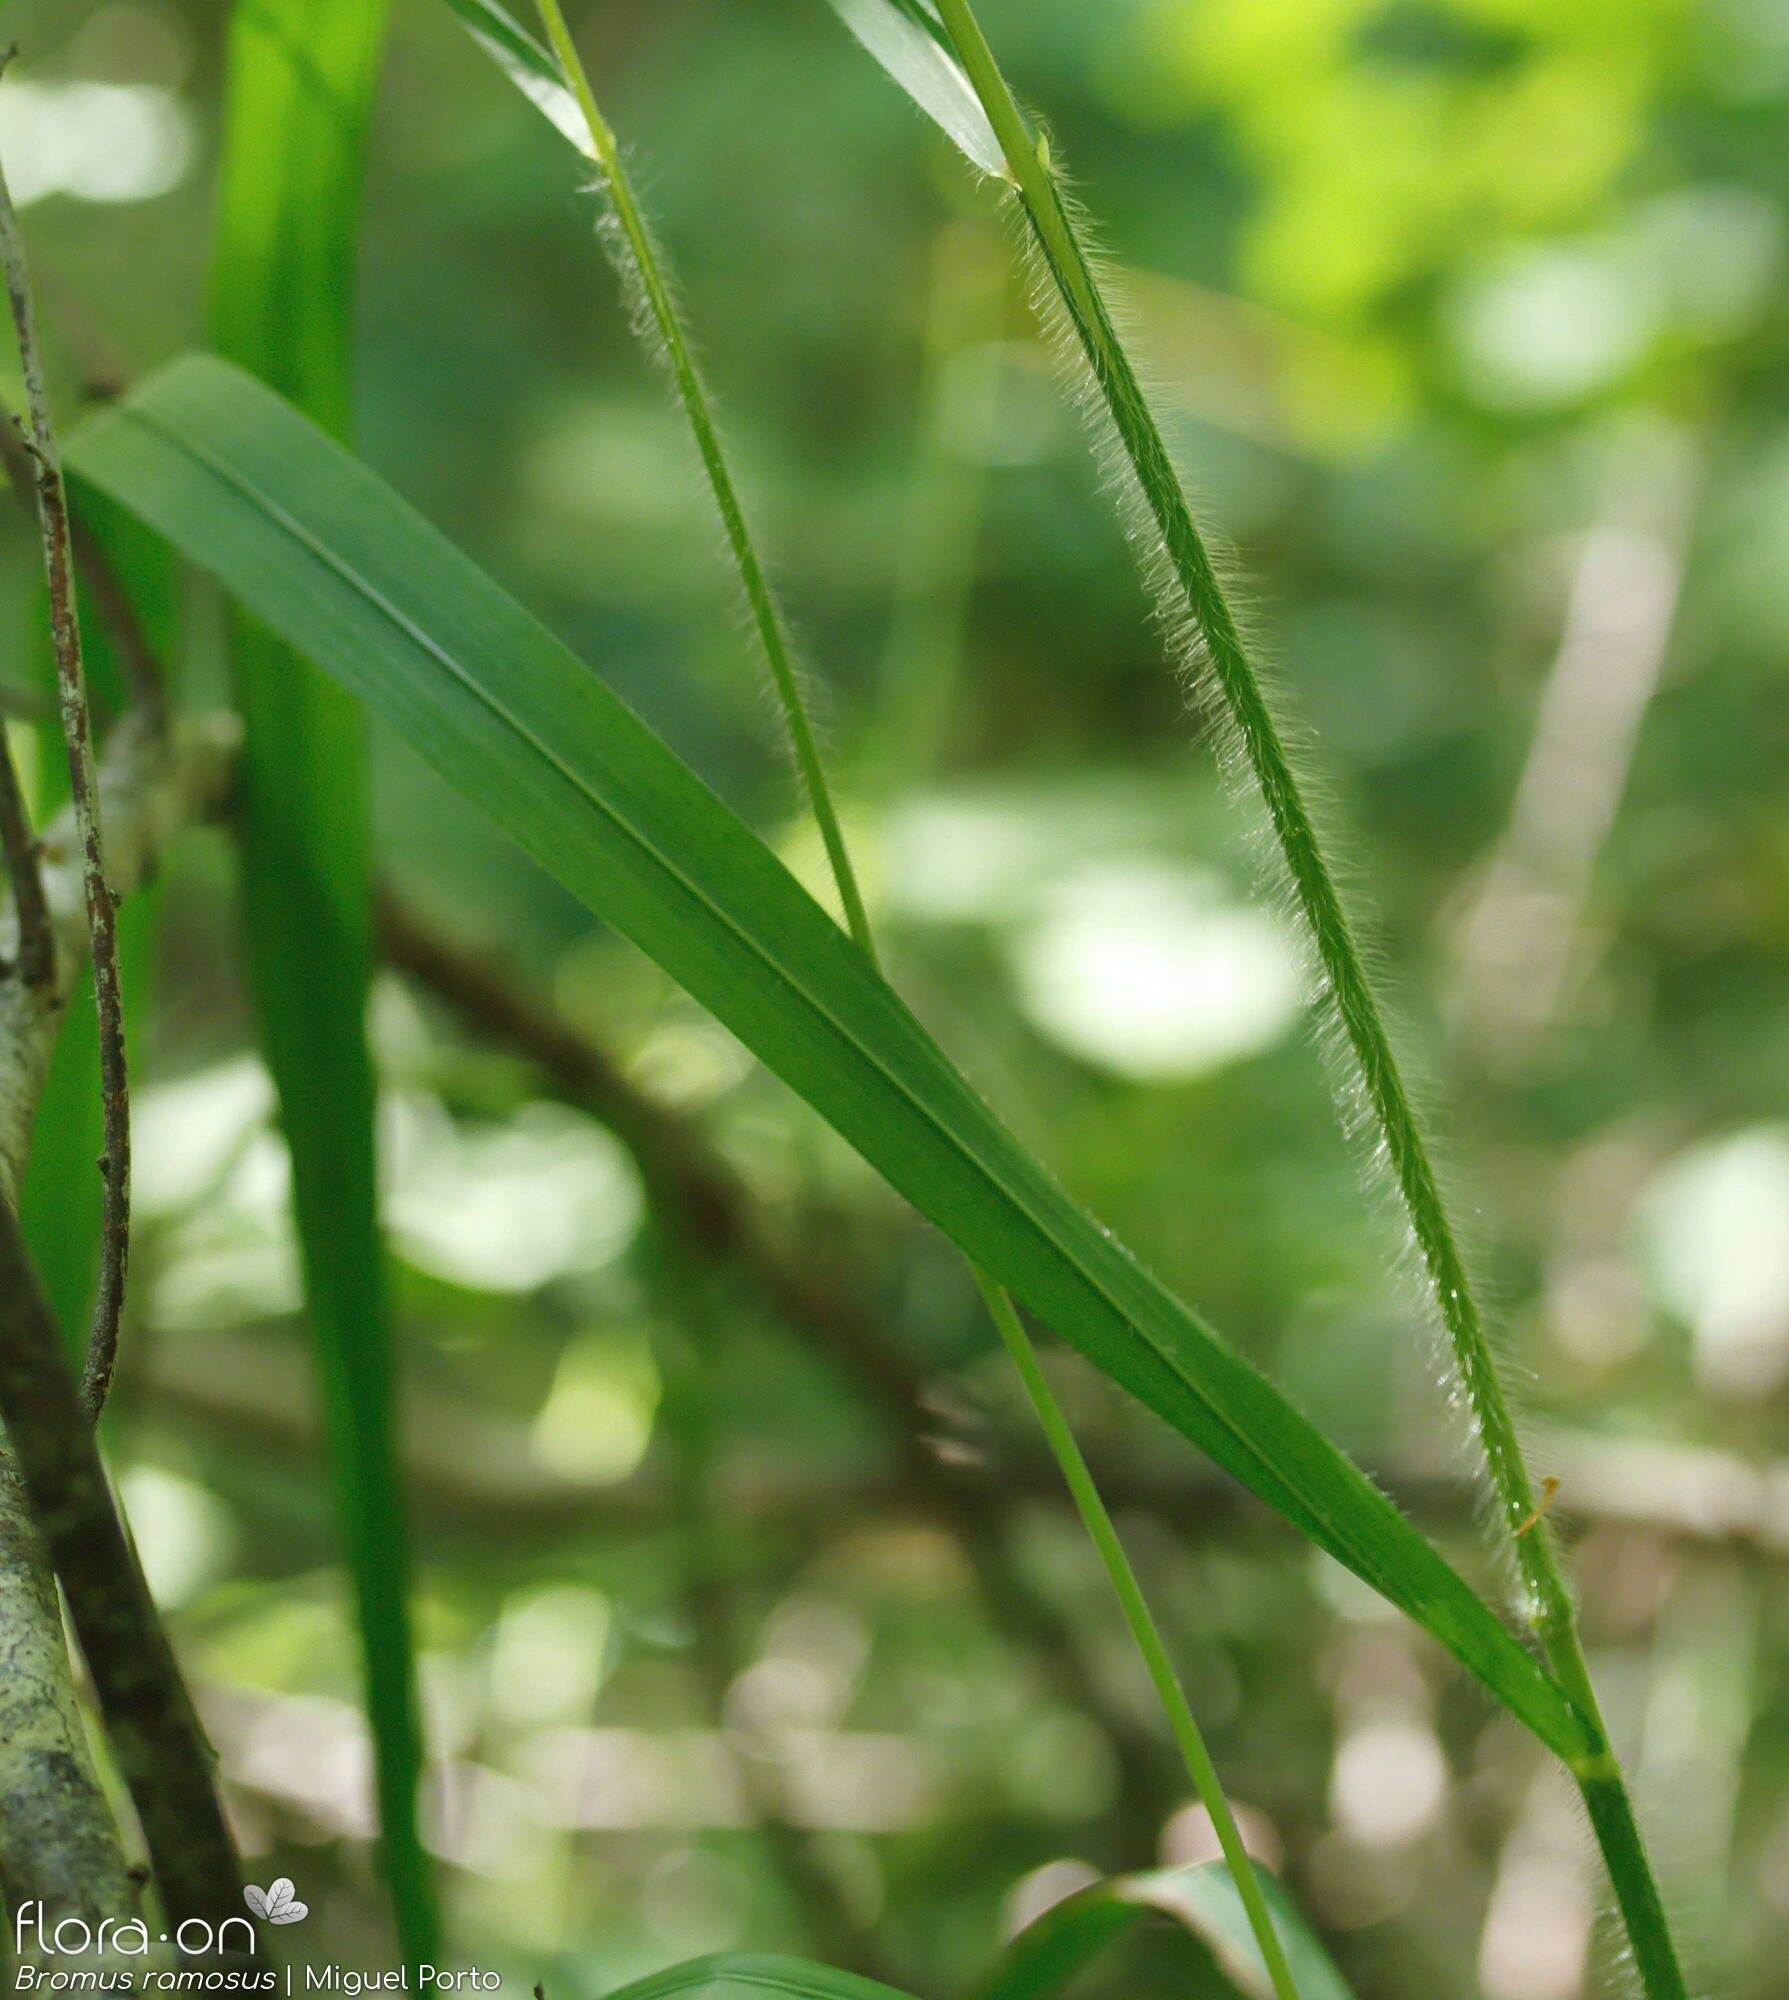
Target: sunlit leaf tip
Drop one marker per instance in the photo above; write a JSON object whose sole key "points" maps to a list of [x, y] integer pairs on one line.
{"points": [[908, 40]]}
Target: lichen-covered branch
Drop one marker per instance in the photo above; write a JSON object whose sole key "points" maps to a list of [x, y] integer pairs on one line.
{"points": [[161, 1750], [58, 1842]]}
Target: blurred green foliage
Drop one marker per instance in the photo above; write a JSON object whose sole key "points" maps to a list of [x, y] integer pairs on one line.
{"points": [[1469, 322]]}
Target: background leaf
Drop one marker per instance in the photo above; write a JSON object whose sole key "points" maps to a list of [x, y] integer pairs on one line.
{"points": [[301, 81], [1048, 1955], [754, 1976], [318, 546]]}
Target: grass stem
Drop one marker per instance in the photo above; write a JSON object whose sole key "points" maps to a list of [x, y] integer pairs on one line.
{"points": [[1549, 1608], [658, 301], [1143, 1629], [647, 269], [965, 311]]}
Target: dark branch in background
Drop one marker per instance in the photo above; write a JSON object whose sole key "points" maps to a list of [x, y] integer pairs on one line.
{"points": [[469, 1470], [77, 732], [713, 1217], [35, 962], [161, 1750]]}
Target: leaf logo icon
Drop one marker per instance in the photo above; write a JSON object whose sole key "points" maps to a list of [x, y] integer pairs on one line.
{"points": [[277, 1903]]}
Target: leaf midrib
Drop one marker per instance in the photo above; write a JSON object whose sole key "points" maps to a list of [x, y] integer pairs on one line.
{"points": [[1018, 1199], [1136, 1329]]}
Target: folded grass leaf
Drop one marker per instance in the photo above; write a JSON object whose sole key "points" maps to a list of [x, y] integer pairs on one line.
{"points": [[318, 547], [1048, 1955], [301, 79]]}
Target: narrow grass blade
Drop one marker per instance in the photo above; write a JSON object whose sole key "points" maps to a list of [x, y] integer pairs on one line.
{"points": [[528, 66], [323, 551], [1048, 1955], [908, 40], [301, 79], [748, 1976]]}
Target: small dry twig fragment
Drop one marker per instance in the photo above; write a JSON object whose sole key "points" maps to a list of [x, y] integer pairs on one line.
{"points": [[1549, 1486]]}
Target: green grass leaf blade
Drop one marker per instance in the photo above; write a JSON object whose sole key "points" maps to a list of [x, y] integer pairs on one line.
{"points": [[1047, 1956], [906, 38], [754, 1976], [317, 546], [529, 66], [300, 86]]}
